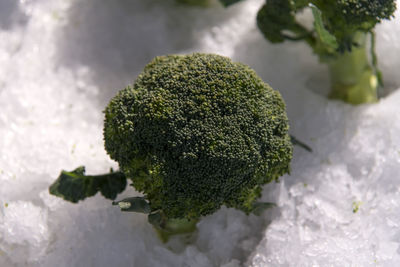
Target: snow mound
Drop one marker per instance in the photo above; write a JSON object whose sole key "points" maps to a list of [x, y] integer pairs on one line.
{"points": [[61, 62], [341, 204]]}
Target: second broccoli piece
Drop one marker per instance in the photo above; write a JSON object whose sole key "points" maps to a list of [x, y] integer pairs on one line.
{"points": [[339, 37], [196, 132]]}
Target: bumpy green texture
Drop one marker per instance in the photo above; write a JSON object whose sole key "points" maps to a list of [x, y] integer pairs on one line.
{"points": [[340, 28], [196, 132], [341, 18]]}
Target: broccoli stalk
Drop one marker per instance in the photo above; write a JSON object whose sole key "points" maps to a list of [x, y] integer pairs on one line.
{"points": [[340, 36], [194, 133], [353, 77], [167, 227]]}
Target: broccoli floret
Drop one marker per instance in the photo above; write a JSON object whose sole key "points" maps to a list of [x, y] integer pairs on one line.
{"points": [[196, 132], [193, 133], [339, 38]]}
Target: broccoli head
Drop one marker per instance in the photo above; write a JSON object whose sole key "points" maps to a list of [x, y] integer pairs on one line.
{"points": [[340, 18], [195, 132], [339, 38]]}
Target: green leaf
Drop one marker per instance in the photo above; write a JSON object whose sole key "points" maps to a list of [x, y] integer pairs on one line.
{"points": [[259, 207], [75, 185], [276, 20], [227, 3], [135, 204], [324, 35], [111, 185]]}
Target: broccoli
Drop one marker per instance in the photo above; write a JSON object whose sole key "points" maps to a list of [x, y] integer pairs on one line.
{"points": [[342, 29], [193, 133]]}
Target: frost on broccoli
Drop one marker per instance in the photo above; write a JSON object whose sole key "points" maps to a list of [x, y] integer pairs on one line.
{"points": [[339, 37], [193, 133]]}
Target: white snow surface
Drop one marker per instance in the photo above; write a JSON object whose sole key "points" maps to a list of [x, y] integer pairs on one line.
{"points": [[62, 61]]}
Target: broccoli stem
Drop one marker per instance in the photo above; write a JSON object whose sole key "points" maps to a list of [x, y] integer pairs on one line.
{"points": [[353, 78], [171, 227]]}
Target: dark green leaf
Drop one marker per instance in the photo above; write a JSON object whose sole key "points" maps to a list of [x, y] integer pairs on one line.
{"points": [[324, 35], [111, 184], [75, 185], [276, 20], [135, 204], [229, 2]]}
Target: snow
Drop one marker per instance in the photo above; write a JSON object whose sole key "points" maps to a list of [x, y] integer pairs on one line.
{"points": [[63, 60], [340, 206]]}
